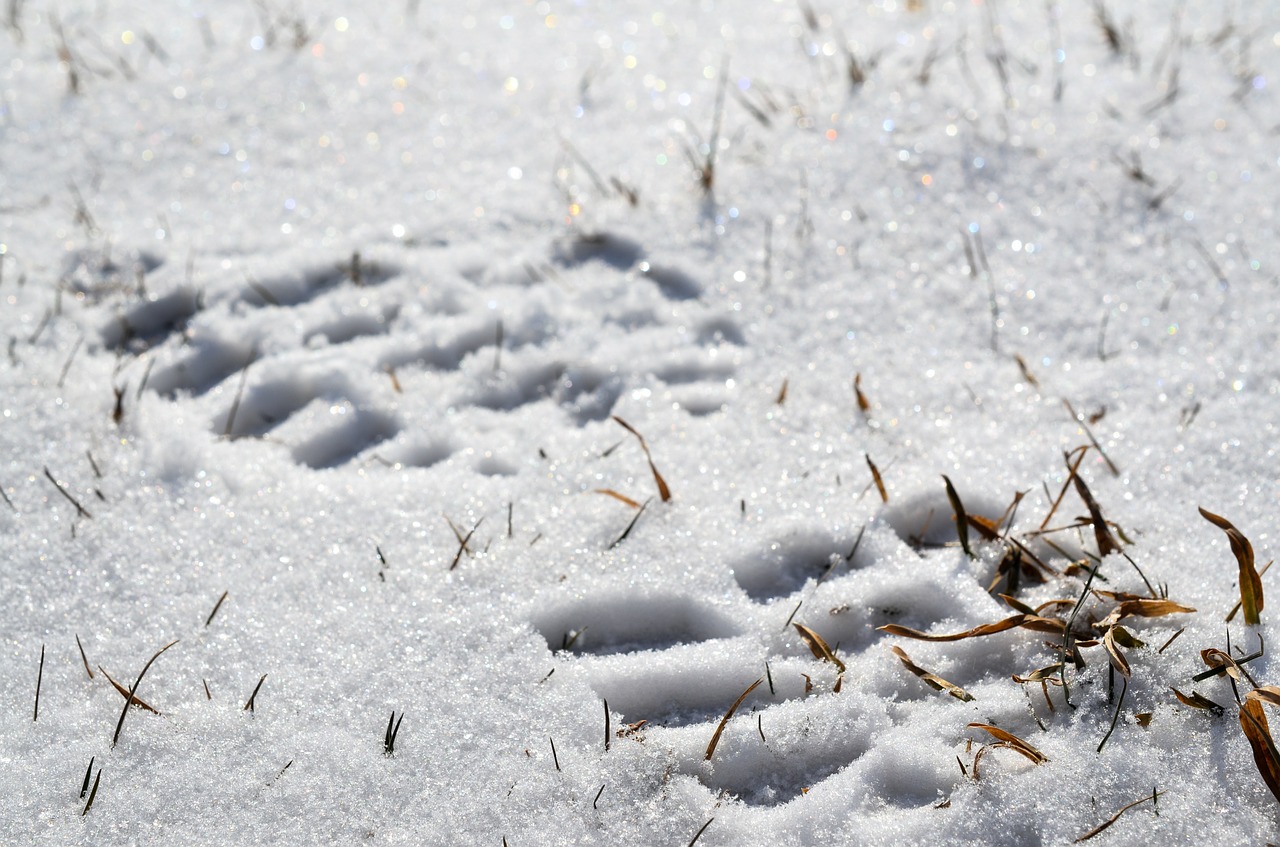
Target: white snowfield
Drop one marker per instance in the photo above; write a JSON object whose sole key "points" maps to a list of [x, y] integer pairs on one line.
{"points": [[573, 385]]}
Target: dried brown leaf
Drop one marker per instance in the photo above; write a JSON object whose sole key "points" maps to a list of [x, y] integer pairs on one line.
{"points": [[875, 476], [1033, 622], [817, 646], [1118, 661], [934, 681], [1107, 543], [1013, 741], [1144, 608], [863, 405], [1197, 701], [1042, 675], [1253, 720], [1250, 581]]}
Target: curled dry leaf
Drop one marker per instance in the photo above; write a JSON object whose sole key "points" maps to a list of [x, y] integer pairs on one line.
{"points": [[1013, 741], [1253, 720], [1250, 579], [1048, 674], [934, 681], [1033, 622], [818, 647], [1118, 661], [1143, 608], [1197, 701]]}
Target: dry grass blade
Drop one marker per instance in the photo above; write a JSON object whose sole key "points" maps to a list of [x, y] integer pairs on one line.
{"points": [[1235, 610], [1101, 827], [1118, 661], [1250, 579], [1197, 701], [134, 690], [1013, 741], [818, 647], [875, 476], [1048, 674], [1033, 622], [124, 692], [962, 519], [863, 405], [621, 498], [1107, 543], [83, 657], [1217, 660], [715, 739], [663, 491], [1266, 693], [934, 681], [1253, 720], [1144, 608]]}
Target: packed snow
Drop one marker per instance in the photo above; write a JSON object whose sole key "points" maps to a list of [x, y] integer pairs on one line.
{"points": [[484, 400]]}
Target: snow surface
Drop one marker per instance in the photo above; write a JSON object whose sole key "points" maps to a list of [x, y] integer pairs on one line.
{"points": [[289, 288]]}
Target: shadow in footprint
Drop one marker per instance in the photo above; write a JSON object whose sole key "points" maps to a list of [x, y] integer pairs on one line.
{"points": [[674, 283], [347, 328], [786, 566], [614, 250], [622, 623], [264, 407], [208, 362], [296, 290], [342, 443], [760, 776], [152, 322]]}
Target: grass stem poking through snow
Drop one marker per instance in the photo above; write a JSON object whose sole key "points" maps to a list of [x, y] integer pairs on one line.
{"points": [[698, 834], [663, 491], [80, 510], [88, 772], [607, 731], [1251, 599], [389, 737], [962, 519], [1080, 419], [249, 704], [229, 430], [1116, 717], [627, 531], [124, 692], [1103, 826], [216, 607], [597, 800], [92, 793], [84, 658], [132, 691], [715, 738], [66, 368], [554, 757], [463, 541], [35, 715]]}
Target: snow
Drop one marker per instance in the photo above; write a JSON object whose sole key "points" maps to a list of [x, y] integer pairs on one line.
{"points": [[297, 298]]}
